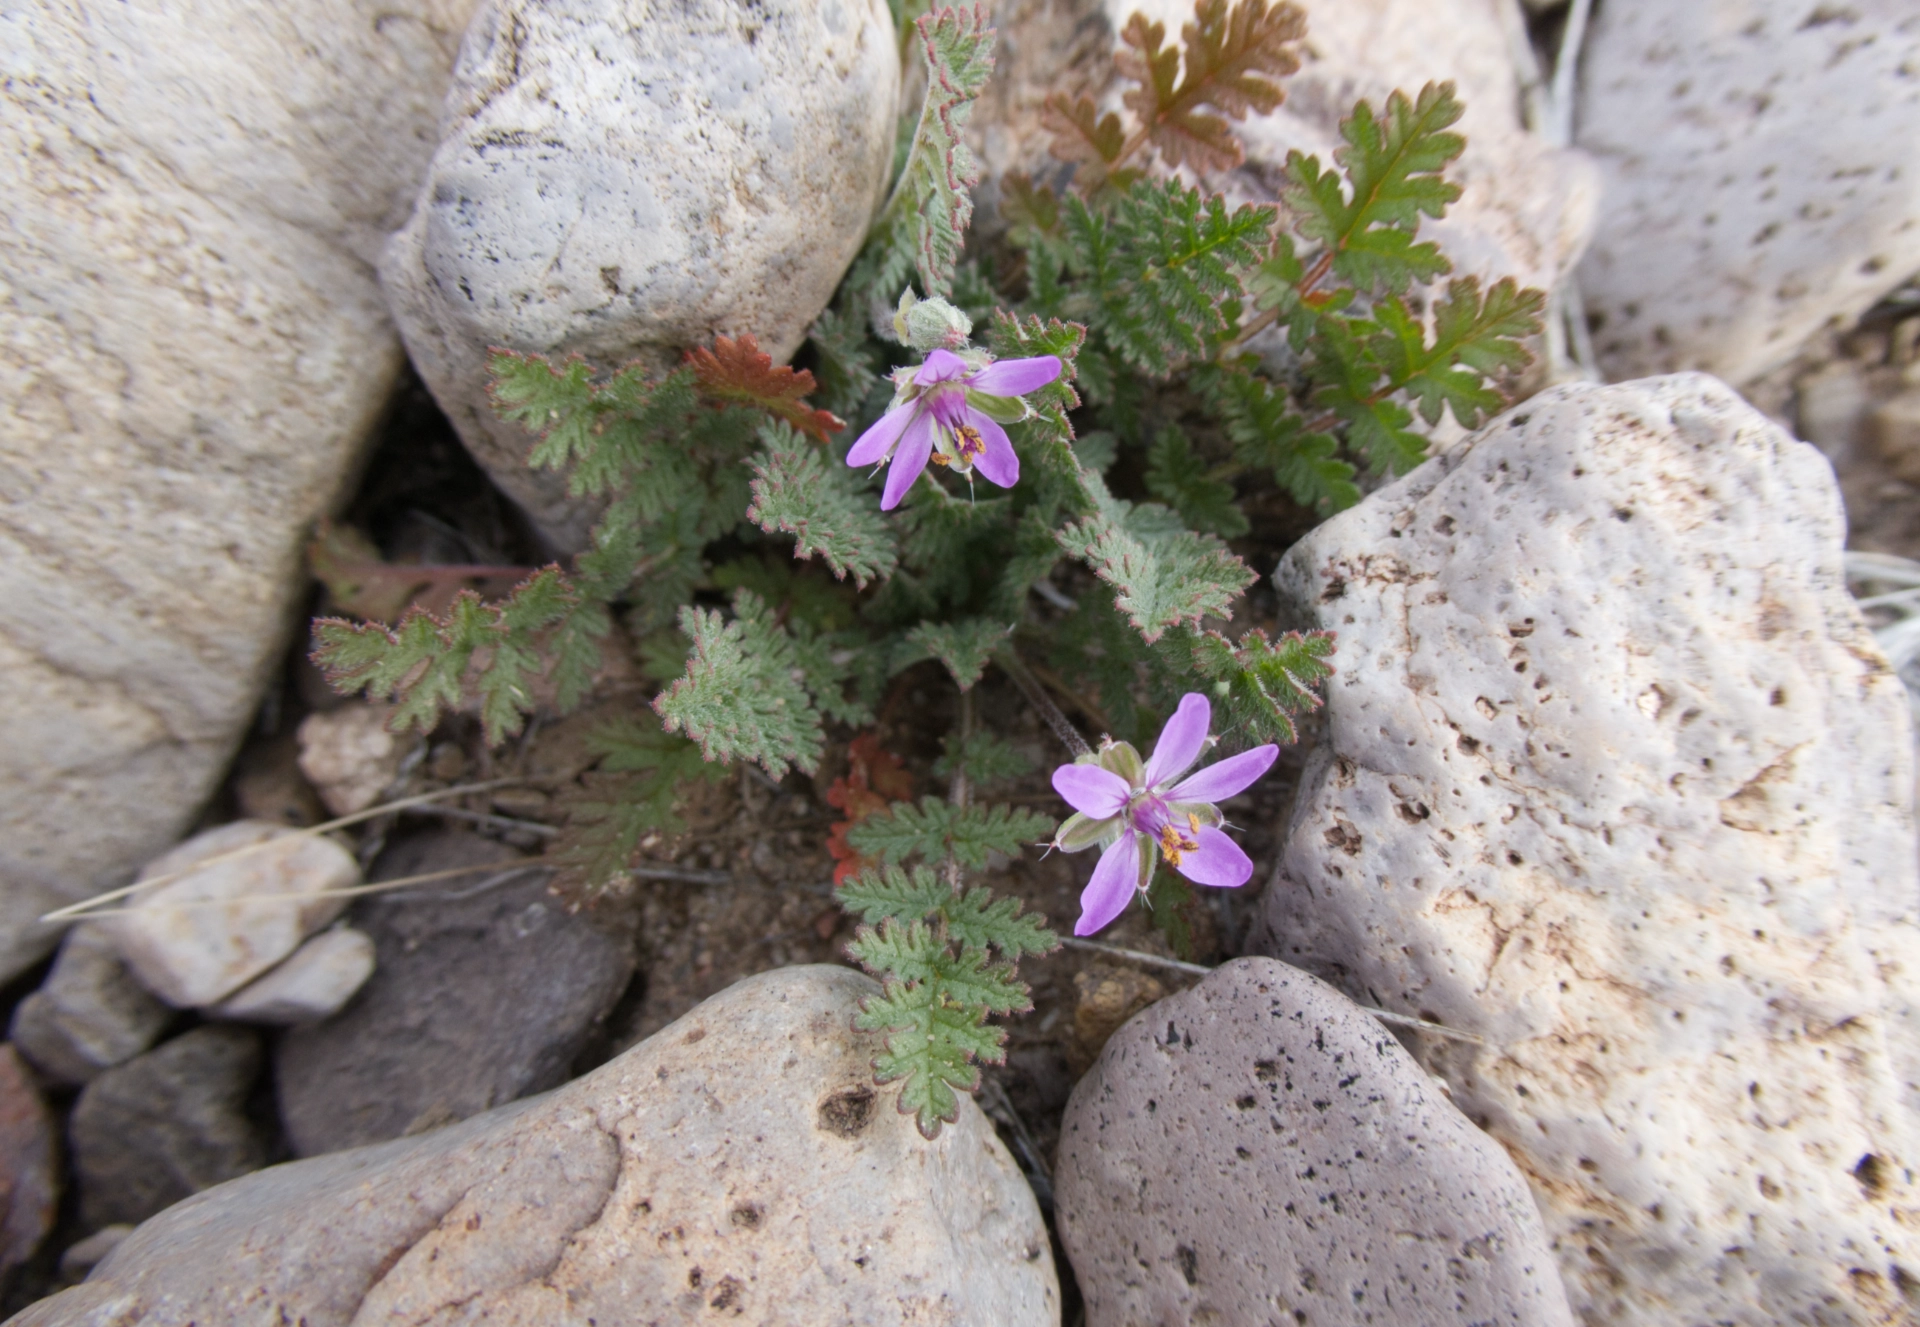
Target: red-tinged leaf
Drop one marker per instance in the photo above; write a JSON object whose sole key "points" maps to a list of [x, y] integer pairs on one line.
{"points": [[1233, 57], [1080, 132], [738, 373]]}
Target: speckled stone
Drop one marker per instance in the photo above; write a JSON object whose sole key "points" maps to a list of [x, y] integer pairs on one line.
{"points": [[1615, 776], [1258, 1149], [738, 1166], [1761, 168], [228, 904], [624, 179]]}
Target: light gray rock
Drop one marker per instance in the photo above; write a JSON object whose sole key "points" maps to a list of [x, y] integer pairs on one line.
{"points": [[1615, 777], [485, 988], [349, 755], [1761, 167], [623, 179], [227, 905], [308, 985], [193, 350], [83, 1256], [89, 1014], [1257, 1149], [147, 1133], [1525, 209], [737, 1166]]}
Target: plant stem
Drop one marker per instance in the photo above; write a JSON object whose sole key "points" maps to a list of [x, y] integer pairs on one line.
{"points": [[1016, 668], [959, 792]]}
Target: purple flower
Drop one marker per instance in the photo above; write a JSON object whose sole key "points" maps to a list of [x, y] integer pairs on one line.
{"points": [[1138, 811], [949, 411]]}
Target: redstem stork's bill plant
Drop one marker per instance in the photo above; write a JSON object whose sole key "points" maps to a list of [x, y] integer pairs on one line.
{"points": [[1228, 352]]}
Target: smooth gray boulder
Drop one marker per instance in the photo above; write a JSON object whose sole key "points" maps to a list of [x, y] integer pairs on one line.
{"points": [[1761, 176], [739, 1165], [1258, 1149], [624, 179], [1615, 777], [195, 354]]}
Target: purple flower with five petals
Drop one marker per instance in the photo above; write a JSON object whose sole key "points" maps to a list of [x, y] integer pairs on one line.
{"points": [[1141, 814], [950, 411]]}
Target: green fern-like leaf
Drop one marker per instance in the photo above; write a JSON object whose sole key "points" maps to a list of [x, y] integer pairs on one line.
{"points": [[642, 774], [1164, 266], [1162, 573], [973, 918], [1180, 479], [985, 758], [963, 646], [938, 831], [1475, 337], [427, 664], [1267, 682], [931, 1049], [1366, 213], [924, 224], [1270, 434], [741, 696], [799, 490]]}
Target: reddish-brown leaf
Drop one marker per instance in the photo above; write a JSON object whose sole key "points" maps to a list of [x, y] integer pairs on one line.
{"points": [[875, 779], [1080, 132], [1232, 55], [738, 373]]}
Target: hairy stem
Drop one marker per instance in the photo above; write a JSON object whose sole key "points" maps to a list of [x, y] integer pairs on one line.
{"points": [[1015, 667]]}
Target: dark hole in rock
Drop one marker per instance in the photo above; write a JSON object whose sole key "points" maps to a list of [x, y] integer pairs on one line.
{"points": [[1189, 1264], [746, 1217], [1871, 1171], [846, 1113]]}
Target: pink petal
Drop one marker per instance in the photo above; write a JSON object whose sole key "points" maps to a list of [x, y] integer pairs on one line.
{"points": [[1222, 779], [1218, 861], [877, 441], [940, 366], [1092, 791], [1114, 879], [908, 461], [1015, 377], [997, 462], [1181, 741]]}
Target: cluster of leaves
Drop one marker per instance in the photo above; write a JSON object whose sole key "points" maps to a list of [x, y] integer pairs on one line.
{"points": [[946, 956], [1223, 351]]}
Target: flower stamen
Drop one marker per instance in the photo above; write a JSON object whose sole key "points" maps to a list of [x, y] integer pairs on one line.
{"points": [[968, 443], [1173, 843]]}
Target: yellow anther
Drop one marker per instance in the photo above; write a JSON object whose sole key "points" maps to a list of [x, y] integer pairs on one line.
{"points": [[969, 443], [1173, 844], [940, 458]]}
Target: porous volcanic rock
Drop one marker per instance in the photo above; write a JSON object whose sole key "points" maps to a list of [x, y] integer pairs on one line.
{"points": [[1761, 168], [1257, 1149], [1615, 777], [739, 1165]]}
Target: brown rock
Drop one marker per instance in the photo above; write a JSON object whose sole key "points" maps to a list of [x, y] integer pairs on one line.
{"points": [[166, 1124], [480, 994], [739, 1166], [29, 1188], [1106, 997]]}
